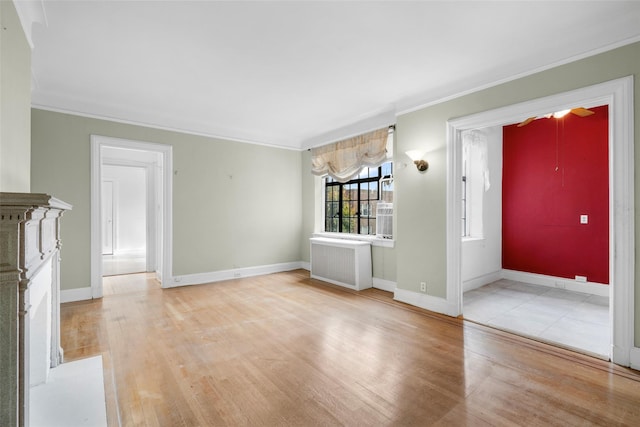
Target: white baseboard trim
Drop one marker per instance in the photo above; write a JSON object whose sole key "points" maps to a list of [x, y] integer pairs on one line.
{"points": [[480, 281], [385, 285], [557, 282], [428, 302], [82, 294], [236, 273], [77, 294], [634, 356]]}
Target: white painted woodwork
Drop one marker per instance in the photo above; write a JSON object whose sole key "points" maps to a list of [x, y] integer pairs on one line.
{"points": [[482, 257], [618, 95], [158, 159], [299, 74], [107, 217], [342, 262], [29, 298]]}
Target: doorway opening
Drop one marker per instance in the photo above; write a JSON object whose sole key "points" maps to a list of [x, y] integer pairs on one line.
{"points": [[617, 95], [130, 216], [527, 186]]}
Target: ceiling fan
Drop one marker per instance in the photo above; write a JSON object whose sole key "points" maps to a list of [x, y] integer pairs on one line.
{"points": [[580, 111]]}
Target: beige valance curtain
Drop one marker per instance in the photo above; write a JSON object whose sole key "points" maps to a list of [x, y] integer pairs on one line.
{"points": [[343, 160]]}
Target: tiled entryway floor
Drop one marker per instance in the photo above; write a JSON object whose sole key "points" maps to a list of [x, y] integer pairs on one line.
{"points": [[571, 319]]}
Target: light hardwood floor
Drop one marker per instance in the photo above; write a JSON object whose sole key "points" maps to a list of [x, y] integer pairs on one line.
{"points": [[285, 350]]}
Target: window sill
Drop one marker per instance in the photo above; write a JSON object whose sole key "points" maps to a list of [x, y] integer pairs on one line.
{"points": [[375, 241], [472, 239]]}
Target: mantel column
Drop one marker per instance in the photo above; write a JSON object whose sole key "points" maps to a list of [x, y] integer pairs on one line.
{"points": [[10, 220], [29, 238]]}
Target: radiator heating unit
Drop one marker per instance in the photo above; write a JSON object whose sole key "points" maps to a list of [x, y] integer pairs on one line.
{"points": [[341, 262]]}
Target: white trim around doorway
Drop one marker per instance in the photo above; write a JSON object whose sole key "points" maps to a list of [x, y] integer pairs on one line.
{"points": [[618, 95], [165, 258]]}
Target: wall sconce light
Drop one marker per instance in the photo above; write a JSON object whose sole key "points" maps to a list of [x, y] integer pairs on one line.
{"points": [[417, 157]]}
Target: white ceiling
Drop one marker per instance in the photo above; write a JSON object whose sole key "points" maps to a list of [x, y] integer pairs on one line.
{"points": [[297, 74]]}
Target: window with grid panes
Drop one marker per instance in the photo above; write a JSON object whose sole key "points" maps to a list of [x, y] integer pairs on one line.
{"points": [[350, 207]]}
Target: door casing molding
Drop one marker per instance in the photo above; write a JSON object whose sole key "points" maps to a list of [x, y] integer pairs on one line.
{"points": [[165, 257], [618, 95]]}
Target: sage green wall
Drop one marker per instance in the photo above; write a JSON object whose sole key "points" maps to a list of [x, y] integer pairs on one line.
{"points": [[235, 205], [383, 260], [15, 102], [421, 208]]}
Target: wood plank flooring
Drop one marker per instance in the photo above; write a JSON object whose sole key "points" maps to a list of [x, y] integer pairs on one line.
{"points": [[286, 350]]}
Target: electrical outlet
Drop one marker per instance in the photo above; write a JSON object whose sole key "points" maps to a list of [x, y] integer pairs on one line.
{"points": [[423, 286], [582, 279]]}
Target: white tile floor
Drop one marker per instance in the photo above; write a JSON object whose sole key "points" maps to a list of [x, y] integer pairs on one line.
{"points": [[571, 319], [129, 263]]}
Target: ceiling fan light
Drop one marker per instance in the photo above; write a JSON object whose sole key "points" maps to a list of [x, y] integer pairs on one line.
{"points": [[560, 114]]}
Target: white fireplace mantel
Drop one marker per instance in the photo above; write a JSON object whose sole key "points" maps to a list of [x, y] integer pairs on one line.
{"points": [[29, 298]]}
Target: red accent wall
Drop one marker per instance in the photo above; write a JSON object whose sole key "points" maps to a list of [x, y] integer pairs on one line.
{"points": [[555, 170]]}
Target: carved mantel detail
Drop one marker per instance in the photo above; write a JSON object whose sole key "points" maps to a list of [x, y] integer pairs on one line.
{"points": [[29, 244]]}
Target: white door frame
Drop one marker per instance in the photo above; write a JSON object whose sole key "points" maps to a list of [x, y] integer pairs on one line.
{"points": [[113, 208], [165, 258], [618, 95]]}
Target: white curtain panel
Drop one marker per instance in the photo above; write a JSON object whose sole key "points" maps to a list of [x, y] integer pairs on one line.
{"points": [[343, 160]]}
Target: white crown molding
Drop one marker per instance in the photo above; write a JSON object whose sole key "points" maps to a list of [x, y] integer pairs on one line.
{"points": [[159, 127], [30, 12], [371, 123], [349, 127], [406, 107]]}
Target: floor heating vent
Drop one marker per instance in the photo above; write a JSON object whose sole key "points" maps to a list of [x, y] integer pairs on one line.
{"points": [[341, 262]]}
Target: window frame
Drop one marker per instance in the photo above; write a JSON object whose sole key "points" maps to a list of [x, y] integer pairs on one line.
{"points": [[472, 195], [359, 202]]}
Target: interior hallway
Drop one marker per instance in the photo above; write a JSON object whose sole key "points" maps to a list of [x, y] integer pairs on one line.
{"points": [[572, 319]]}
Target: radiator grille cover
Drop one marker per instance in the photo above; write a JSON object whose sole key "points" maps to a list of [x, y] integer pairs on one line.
{"points": [[342, 262], [334, 263]]}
